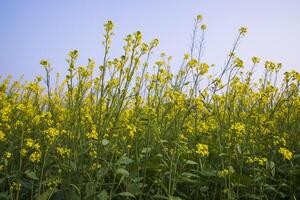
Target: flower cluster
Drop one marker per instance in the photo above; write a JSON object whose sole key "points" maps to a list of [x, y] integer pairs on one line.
{"points": [[202, 150]]}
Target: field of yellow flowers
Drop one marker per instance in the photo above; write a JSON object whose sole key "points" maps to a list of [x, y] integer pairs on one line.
{"points": [[133, 130]]}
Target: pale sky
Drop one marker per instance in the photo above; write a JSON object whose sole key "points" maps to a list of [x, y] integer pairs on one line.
{"points": [[32, 30]]}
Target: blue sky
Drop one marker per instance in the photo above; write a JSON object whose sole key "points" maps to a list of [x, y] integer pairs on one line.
{"points": [[32, 30]]}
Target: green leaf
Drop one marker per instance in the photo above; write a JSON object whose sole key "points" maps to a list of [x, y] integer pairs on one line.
{"points": [[122, 171], [90, 190], [174, 198], [159, 196], [252, 196], [76, 188], [46, 195], [103, 195], [127, 194], [146, 150], [296, 156], [71, 194], [2, 180], [189, 180], [295, 172], [238, 148], [124, 160], [270, 188], [241, 179], [5, 195], [31, 174], [271, 167], [105, 142], [209, 173], [223, 154], [187, 174], [164, 141], [204, 189], [190, 162]]}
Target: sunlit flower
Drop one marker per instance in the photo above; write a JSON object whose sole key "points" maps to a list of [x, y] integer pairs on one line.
{"points": [[243, 30], [202, 150], [7, 155], [35, 157], [286, 154]]}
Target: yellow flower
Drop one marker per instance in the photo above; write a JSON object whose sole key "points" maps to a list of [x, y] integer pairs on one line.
{"points": [[202, 150], [51, 133], [93, 153], [238, 63], [54, 183], [238, 128], [7, 155], [1, 168], [36, 146], [182, 137], [250, 160], [255, 60], [186, 56], [93, 134], [159, 63], [15, 186], [23, 152], [259, 160], [262, 161], [193, 63], [279, 140], [63, 151], [203, 27], [2, 136], [29, 142], [199, 17], [35, 157], [95, 166], [203, 68], [285, 153], [132, 130], [223, 173], [243, 30]]}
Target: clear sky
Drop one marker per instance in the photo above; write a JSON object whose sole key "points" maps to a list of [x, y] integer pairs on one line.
{"points": [[33, 29]]}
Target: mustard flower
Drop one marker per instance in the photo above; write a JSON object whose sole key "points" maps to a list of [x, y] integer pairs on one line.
{"points": [[95, 166], [51, 133], [7, 155], [93, 134], [255, 60], [199, 17], [93, 153], [29, 142], [238, 128], [35, 157], [63, 151], [186, 56], [203, 68], [15, 186], [243, 30], [2, 136], [223, 173], [202, 150], [23, 152], [286, 154], [238, 63], [132, 130], [203, 27]]}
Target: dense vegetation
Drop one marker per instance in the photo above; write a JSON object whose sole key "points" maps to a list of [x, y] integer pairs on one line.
{"points": [[134, 130]]}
